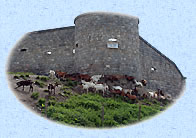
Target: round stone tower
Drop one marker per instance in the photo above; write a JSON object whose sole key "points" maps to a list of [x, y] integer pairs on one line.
{"points": [[107, 43]]}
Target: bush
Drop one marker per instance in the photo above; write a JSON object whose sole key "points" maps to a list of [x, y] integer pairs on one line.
{"points": [[39, 83], [65, 88], [23, 76], [46, 90], [51, 102], [43, 78], [35, 95], [52, 98], [71, 83], [42, 102], [16, 77]]}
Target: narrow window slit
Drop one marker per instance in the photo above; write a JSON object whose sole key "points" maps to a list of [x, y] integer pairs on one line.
{"points": [[23, 49]]}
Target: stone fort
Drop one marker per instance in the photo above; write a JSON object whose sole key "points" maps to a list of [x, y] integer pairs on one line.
{"points": [[99, 43]]}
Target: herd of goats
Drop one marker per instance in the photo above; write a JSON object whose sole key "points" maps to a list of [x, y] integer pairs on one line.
{"points": [[86, 82]]}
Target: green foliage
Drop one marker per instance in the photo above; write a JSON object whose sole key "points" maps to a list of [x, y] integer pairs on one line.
{"points": [[16, 77], [39, 83], [65, 88], [41, 102], [35, 95], [71, 83], [46, 90], [52, 98], [43, 78], [51, 102], [23, 76], [66, 91], [21, 73], [86, 110]]}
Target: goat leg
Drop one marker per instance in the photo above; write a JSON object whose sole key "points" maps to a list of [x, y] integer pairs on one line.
{"points": [[18, 86], [31, 88]]}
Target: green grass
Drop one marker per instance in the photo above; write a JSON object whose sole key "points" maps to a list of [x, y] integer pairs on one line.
{"points": [[21, 73], [17, 76], [41, 102], [35, 95], [71, 83], [43, 78], [66, 91], [65, 88], [39, 83], [86, 110]]}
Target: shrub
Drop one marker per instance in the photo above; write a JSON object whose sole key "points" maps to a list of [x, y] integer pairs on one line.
{"points": [[68, 91], [39, 83], [51, 102], [16, 77], [23, 76], [43, 78], [71, 83], [46, 90], [52, 98], [35, 95], [65, 88], [42, 102]]}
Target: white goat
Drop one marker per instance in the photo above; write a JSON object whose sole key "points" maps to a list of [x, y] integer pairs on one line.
{"points": [[52, 74], [102, 87], [127, 91], [117, 88], [153, 94], [91, 84], [137, 83], [168, 97], [87, 85], [96, 78]]}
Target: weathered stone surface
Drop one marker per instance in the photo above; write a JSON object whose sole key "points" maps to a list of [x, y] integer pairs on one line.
{"points": [[52, 49]]}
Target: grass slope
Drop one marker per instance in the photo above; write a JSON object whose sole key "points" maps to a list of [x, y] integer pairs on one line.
{"points": [[87, 110]]}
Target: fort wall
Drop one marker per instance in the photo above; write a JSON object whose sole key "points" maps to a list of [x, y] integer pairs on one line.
{"points": [[166, 75], [31, 53], [93, 32], [83, 48]]}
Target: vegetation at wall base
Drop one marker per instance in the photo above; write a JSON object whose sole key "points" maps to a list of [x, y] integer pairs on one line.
{"points": [[92, 110], [39, 83], [21, 73], [35, 95], [43, 78]]}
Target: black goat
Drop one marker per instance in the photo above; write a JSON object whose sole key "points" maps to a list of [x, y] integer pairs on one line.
{"points": [[25, 83]]}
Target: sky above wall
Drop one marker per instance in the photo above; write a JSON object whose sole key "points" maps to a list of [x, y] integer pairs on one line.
{"points": [[170, 26]]}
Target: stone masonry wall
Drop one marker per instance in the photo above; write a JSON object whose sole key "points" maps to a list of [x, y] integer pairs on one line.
{"points": [[89, 38], [92, 54], [35, 59], [166, 76]]}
